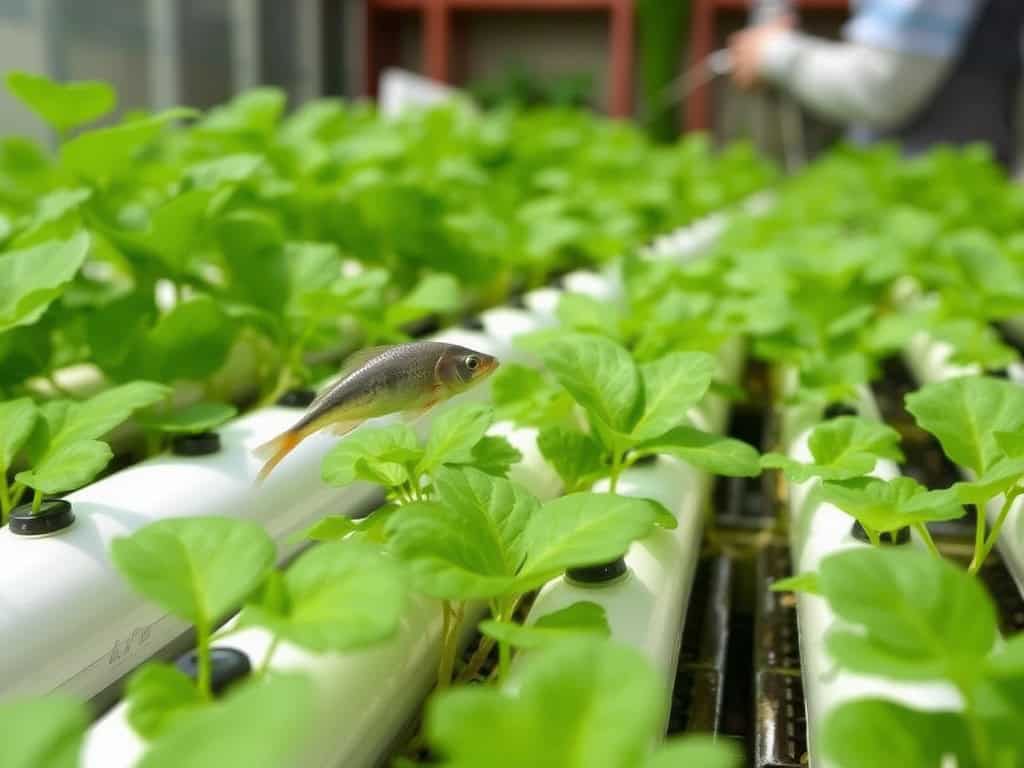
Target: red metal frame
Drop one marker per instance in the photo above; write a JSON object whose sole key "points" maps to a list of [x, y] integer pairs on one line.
{"points": [[441, 36], [703, 40]]}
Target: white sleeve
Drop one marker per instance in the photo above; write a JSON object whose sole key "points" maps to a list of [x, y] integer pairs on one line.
{"points": [[851, 83]]}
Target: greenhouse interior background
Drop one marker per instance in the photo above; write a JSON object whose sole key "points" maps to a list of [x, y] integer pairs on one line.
{"points": [[511, 383]]}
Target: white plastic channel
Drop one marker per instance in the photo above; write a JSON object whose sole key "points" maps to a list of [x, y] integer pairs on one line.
{"points": [[928, 360], [647, 607], [817, 531], [363, 700]]}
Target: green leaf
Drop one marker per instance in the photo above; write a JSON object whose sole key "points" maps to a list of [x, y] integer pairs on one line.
{"points": [[1010, 443], [867, 733], [575, 456], [697, 751], [192, 341], [707, 451], [17, 420], [1001, 476], [584, 703], [33, 277], [570, 622], [914, 616], [965, 413], [97, 416], [192, 419], [375, 455], [231, 169], [600, 375], [582, 529], [524, 396], [177, 227], [888, 505], [155, 695], [672, 385], [804, 582], [842, 448], [329, 528], [453, 435], [494, 455], [275, 712], [197, 568], [62, 105], [106, 153], [434, 294], [253, 245], [341, 596], [469, 543], [69, 466], [581, 312], [42, 732]]}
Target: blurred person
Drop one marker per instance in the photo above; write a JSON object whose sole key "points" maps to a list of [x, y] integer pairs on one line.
{"points": [[918, 72]]}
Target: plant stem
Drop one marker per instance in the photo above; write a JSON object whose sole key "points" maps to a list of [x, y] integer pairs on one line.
{"points": [[447, 659], [265, 663], [504, 660], [477, 659], [205, 676], [37, 501], [5, 497], [17, 491], [993, 536], [979, 537], [873, 536], [922, 531], [613, 482]]}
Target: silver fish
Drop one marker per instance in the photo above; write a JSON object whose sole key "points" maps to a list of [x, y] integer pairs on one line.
{"points": [[410, 378]]}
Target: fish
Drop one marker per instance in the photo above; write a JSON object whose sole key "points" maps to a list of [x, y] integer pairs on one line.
{"points": [[408, 378]]}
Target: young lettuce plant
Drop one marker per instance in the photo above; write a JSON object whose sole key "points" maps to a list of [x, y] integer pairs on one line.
{"points": [[60, 440], [906, 616], [844, 451], [583, 703], [979, 422], [392, 456], [632, 410], [487, 538], [337, 597]]}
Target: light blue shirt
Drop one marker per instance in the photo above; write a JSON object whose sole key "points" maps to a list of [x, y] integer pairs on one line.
{"points": [[935, 28]]}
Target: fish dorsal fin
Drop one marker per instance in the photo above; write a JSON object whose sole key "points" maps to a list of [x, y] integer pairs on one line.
{"points": [[350, 364]]}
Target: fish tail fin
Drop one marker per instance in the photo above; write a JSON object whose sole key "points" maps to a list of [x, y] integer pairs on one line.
{"points": [[275, 450]]}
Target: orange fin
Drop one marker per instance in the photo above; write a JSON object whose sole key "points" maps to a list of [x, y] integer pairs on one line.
{"points": [[412, 415], [342, 428], [275, 450]]}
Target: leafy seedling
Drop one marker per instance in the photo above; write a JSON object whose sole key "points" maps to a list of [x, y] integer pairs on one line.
{"points": [[608, 718], [634, 410], [886, 506], [34, 277], [191, 420], [64, 449], [43, 732], [582, 618], [62, 106], [843, 448], [977, 421], [487, 538], [392, 456], [905, 615], [198, 569]]}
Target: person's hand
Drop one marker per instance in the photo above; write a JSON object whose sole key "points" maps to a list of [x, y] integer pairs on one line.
{"points": [[746, 48]]}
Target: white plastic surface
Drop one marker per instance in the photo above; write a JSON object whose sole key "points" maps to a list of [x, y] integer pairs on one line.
{"points": [[400, 90], [928, 360], [363, 699], [817, 531]]}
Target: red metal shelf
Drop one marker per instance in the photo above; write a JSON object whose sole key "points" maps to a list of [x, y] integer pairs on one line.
{"points": [[703, 40], [440, 36]]}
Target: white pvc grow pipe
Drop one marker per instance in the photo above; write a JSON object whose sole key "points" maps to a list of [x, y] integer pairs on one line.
{"points": [[928, 360], [646, 608], [817, 531], [362, 699]]}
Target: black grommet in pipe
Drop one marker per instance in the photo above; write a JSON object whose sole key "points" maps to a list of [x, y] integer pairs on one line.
{"points": [[227, 666], [200, 444], [297, 398], [646, 461], [835, 410], [473, 324], [53, 515], [898, 538], [601, 573]]}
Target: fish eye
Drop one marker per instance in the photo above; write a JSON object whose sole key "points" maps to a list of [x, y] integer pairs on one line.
{"points": [[472, 362]]}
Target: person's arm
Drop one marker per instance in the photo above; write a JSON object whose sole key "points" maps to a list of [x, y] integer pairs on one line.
{"points": [[849, 82]]}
